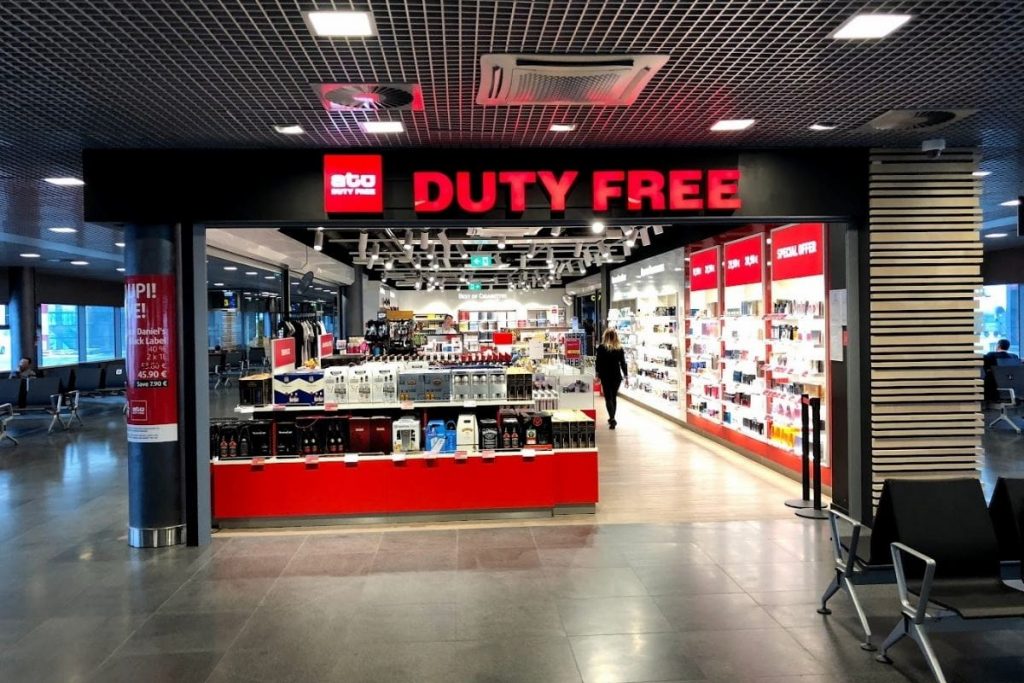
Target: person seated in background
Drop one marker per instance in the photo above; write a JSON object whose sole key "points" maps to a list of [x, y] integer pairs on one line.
{"points": [[24, 370], [448, 325], [991, 360]]}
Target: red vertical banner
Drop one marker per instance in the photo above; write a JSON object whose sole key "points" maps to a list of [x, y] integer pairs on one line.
{"points": [[744, 261], [282, 353], [703, 269], [152, 387], [326, 345], [798, 251]]}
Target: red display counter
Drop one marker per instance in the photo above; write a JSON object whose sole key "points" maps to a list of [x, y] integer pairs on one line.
{"points": [[282, 488]]}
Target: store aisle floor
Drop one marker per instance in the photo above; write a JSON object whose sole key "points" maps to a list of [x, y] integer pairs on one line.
{"points": [[725, 600]]}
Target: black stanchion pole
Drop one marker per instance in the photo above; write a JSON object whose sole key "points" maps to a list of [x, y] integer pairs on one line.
{"points": [[805, 458], [815, 512]]}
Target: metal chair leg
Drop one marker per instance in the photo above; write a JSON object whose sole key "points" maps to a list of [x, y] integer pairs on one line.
{"points": [[1003, 417], [898, 633], [4, 434], [866, 645], [831, 590], [920, 636]]}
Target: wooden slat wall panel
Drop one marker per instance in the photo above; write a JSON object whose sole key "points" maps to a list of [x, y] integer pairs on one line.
{"points": [[925, 269]]}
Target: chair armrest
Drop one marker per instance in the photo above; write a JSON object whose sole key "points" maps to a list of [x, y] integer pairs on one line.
{"points": [[56, 401], [7, 408], [834, 517], [1011, 395], [918, 612]]}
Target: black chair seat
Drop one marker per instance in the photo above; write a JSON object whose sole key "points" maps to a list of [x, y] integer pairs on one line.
{"points": [[976, 598]]}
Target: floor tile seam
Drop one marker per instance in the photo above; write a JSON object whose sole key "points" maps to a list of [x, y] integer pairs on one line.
{"points": [[238, 635]]}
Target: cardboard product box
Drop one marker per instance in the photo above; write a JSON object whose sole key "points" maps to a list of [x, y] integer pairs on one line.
{"points": [[224, 438], [519, 385], [307, 436], [559, 431], [436, 385], [497, 385], [261, 438], [536, 428], [490, 437], [384, 381], [360, 389], [333, 432], [468, 434], [299, 388], [256, 390], [359, 434], [461, 385], [381, 434], [405, 434], [286, 440], [336, 384], [409, 386]]}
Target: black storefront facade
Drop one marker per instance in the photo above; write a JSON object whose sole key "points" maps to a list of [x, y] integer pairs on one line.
{"points": [[167, 199]]}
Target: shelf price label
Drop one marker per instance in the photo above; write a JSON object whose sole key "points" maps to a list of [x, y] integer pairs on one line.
{"points": [[529, 453], [398, 457], [405, 405], [469, 404], [351, 458], [312, 459], [461, 455], [258, 461], [488, 455], [330, 407]]}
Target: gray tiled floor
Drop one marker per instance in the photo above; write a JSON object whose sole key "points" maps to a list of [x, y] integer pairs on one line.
{"points": [[711, 601]]}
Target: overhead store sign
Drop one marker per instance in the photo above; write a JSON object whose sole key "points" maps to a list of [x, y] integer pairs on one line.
{"points": [[481, 261], [354, 183], [474, 286], [703, 270], [798, 251], [744, 261]]}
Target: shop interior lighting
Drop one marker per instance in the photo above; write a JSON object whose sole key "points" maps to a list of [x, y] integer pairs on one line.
{"points": [[65, 181], [389, 264], [120, 270], [340, 24], [231, 268], [981, 174], [995, 235], [292, 129], [726, 125], [382, 127], [375, 254], [597, 227], [408, 240], [363, 239], [119, 245], [251, 272], [870, 26], [318, 241], [268, 277], [501, 243], [556, 231], [822, 126], [429, 256], [1012, 202], [29, 255], [424, 240], [218, 284], [63, 230], [645, 237], [627, 249], [79, 263], [436, 266], [577, 251], [562, 127]]}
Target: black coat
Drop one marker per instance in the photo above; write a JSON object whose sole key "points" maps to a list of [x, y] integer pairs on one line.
{"points": [[610, 365]]}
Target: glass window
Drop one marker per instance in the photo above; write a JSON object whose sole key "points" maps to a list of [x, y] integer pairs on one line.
{"points": [[1000, 317], [6, 356], [59, 334], [3, 316], [100, 330]]}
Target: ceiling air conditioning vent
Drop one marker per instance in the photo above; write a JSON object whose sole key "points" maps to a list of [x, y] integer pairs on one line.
{"points": [[607, 81], [369, 96], [918, 119]]}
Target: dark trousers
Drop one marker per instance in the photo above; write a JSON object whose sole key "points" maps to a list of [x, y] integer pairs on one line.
{"points": [[610, 388]]}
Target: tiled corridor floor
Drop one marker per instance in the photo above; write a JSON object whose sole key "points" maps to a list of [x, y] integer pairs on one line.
{"points": [[699, 576]]}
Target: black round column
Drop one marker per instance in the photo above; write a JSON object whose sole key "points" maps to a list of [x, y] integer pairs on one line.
{"points": [[156, 515]]}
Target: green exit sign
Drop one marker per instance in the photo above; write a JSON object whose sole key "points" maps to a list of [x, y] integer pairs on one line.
{"points": [[481, 261], [474, 286]]}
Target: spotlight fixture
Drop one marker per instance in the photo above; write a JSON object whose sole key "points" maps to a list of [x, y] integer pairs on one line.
{"points": [[65, 181], [645, 237], [389, 264], [408, 241], [430, 255], [818, 127], [436, 266], [424, 240], [417, 285], [363, 239], [562, 127], [376, 252], [318, 241], [578, 250], [556, 231], [597, 227], [501, 243], [658, 230]]}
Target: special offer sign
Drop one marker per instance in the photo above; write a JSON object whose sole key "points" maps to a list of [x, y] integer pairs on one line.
{"points": [[150, 324]]}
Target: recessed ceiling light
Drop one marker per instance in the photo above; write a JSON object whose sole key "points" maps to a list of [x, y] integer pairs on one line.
{"points": [[29, 255], [230, 267], [65, 181], [341, 24], [732, 124], [382, 127], [562, 127], [981, 174], [120, 270], [993, 235], [293, 129], [870, 26], [597, 227], [79, 263], [822, 126], [268, 277], [119, 245], [218, 284], [251, 272], [63, 230], [1012, 202]]}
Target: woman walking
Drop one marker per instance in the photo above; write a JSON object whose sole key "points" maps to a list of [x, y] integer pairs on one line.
{"points": [[610, 363]]}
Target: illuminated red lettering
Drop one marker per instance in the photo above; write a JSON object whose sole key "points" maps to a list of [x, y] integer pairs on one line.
{"points": [[723, 188], [557, 187], [605, 190], [432, 191], [641, 185], [464, 192], [517, 182], [684, 191]]}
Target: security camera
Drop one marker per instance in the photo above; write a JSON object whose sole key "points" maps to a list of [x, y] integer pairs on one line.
{"points": [[933, 148]]}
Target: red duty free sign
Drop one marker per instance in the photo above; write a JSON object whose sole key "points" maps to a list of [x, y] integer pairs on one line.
{"points": [[354, 183]]}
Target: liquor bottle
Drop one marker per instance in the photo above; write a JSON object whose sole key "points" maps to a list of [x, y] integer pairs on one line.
{"points": [[223, 451], [232, 447], [243, 447]]}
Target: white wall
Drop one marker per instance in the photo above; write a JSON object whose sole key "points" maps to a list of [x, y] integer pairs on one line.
{"points": [[448, 301]]}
